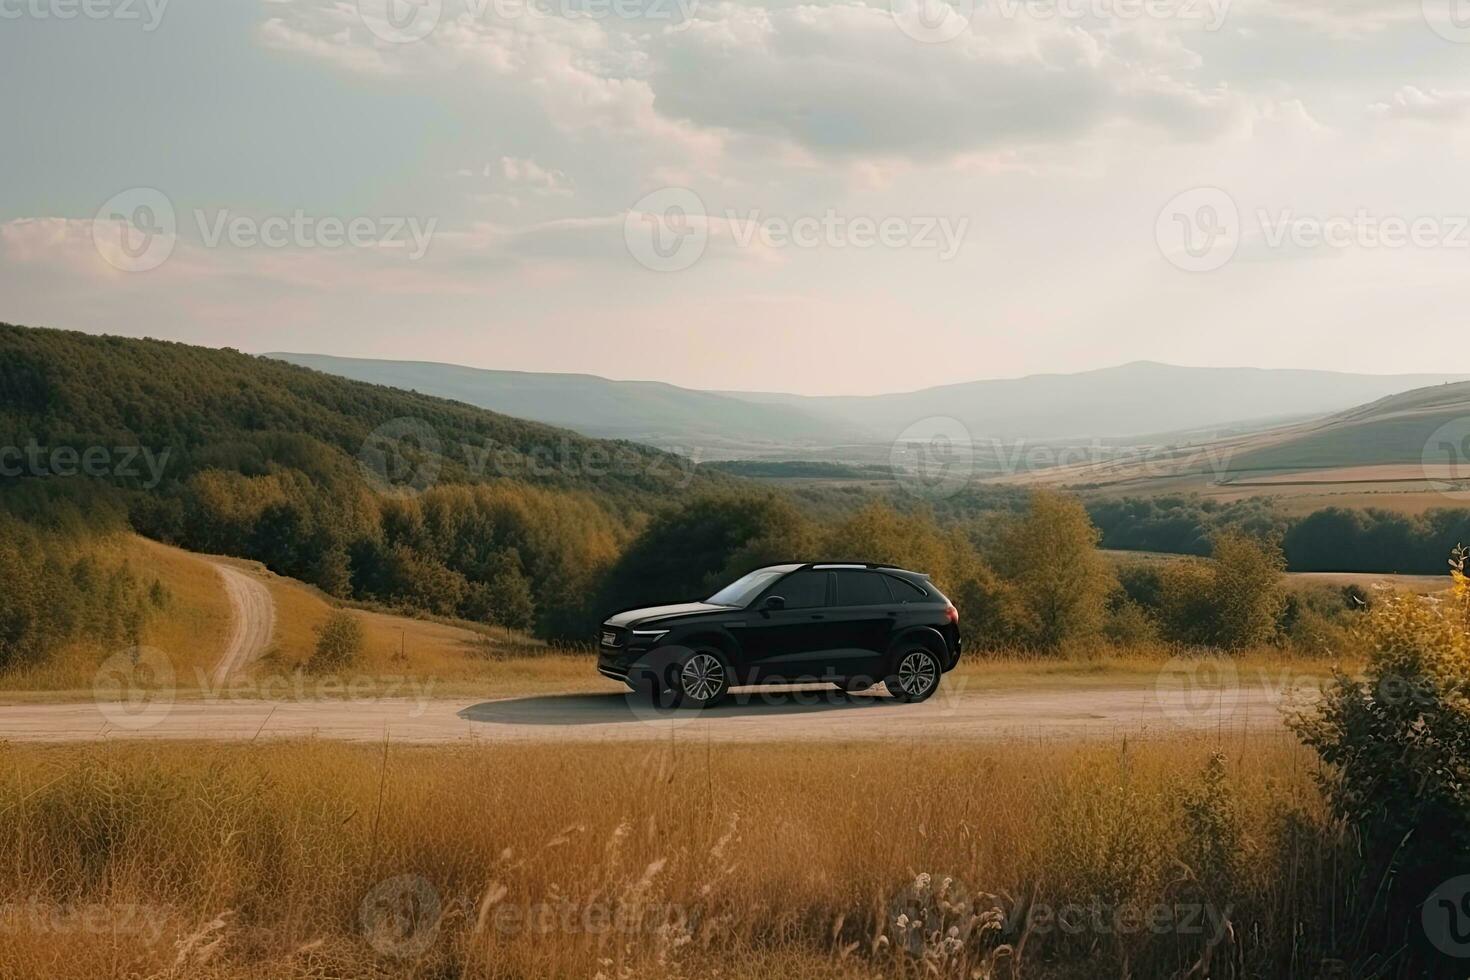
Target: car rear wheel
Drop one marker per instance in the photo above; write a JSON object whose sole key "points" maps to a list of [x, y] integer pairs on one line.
{"points": [[703, 679], [915, 675]]}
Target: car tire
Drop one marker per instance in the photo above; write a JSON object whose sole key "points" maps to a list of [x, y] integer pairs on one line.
{"points": [[915, 674], [703, 678]]}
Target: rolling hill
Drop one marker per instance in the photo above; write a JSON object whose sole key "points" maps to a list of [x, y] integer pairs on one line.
{"points": [[1409, 448], [367, 492], [646, 411], [1112, 403]]}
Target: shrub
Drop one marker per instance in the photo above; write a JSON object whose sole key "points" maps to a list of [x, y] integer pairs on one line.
{"points": [[1233, 600], [1397, 745], [1050, 556], [338, 642]]}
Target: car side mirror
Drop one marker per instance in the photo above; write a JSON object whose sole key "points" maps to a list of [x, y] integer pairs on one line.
{"points": [[773, 602]]}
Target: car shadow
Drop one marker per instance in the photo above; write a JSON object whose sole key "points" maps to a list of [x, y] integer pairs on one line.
{"points": [[614, 708]]}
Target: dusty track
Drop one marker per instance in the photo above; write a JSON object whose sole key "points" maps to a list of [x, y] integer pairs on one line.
{"points": [[982, 716], [254, 614]]}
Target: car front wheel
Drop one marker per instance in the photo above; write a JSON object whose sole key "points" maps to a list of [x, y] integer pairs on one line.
{"points": [[915, 675], [703, 679]]}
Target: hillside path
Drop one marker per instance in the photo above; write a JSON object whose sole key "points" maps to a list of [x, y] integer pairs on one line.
{"points": [[253, 614]]}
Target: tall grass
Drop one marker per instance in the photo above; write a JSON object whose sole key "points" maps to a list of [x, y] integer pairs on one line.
{"points": [[685, 859]]}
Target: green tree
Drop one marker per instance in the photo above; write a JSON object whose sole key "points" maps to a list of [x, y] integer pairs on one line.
{"points": [[1062, 582]]}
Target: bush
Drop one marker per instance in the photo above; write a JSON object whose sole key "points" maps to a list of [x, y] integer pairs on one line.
{"points": [[1049, 555], [338, 642], [1233, 600], [1397, 745]]}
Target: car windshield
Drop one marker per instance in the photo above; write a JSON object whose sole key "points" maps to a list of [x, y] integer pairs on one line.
{"points": [[741, 591]]}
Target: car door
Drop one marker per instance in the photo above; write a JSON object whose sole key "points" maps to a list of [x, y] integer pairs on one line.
{"points": [[863, 614], [780, 643]]}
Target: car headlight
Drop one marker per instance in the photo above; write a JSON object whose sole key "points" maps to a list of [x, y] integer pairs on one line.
{"points": [[648, 636]]}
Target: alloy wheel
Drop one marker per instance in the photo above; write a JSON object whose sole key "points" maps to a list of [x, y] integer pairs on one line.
{"points": [[917, 673], [702, 677]]}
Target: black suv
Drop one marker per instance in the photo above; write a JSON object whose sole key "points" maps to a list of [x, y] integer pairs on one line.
{"points": [[849, 624]]}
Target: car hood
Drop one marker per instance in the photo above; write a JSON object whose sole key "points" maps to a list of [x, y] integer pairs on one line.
{"points": [[630, 617]]}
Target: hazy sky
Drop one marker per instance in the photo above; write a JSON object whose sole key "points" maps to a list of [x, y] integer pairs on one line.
{"points": [[838, 197]]}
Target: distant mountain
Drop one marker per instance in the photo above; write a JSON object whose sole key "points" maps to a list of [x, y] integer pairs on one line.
{"points": [[646, 411], [1111, 403], [1130, 400]]}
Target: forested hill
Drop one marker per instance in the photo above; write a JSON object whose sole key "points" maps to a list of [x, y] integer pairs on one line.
{"points": [[221, 408], [366, 491]]}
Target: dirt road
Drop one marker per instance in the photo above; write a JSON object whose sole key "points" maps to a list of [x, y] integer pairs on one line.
{"points": [[254, 617], [1029, 714]]}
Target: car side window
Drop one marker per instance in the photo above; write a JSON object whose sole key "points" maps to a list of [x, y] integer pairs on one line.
{"points": [[905, 591], [802, 590], [862, 589]]}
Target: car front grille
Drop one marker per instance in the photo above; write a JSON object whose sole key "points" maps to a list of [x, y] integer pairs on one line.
{"points": [[613, 636]]}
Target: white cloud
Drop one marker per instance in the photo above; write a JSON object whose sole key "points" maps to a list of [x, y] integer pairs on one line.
{"points": [[1419, 105]]}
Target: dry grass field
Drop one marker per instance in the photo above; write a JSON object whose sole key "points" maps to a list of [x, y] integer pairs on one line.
{"points": [[317, 860]]}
